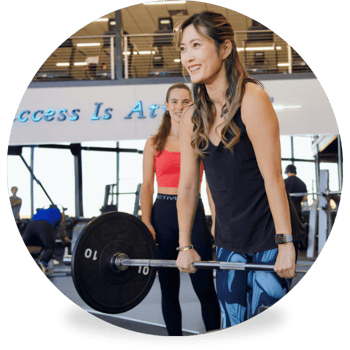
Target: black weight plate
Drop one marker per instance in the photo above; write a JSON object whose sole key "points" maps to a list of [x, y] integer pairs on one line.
{"points": [[102, 287]]}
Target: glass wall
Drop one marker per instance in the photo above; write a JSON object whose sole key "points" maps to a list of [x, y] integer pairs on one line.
{"points": [[302, 147], [130, 174], [297, 150], [19, 176], [333, 175], [54, 168], [99, 170]]}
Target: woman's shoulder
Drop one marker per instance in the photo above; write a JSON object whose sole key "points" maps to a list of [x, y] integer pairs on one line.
{"points": [[254, 93], [256, 104], [150, 146]]}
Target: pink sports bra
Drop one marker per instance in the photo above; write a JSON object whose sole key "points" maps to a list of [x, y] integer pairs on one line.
{"points": [[167, 168]]}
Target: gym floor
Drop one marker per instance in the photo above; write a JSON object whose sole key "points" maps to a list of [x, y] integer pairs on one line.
{"points": [[147, 316]]}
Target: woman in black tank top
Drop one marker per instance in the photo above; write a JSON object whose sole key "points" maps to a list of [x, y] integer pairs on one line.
{"points": [[234, 130]]}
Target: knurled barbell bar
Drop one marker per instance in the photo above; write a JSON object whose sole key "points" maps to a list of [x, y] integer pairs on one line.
{"points": [[121, 261], [326, 193], [113, 263]]}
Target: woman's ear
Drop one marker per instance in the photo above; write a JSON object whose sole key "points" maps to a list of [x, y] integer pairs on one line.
{"points": [[166, 106], [226, 49]]}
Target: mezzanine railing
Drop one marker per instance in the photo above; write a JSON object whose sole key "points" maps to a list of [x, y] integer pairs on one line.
{"points": [[155, 55]]}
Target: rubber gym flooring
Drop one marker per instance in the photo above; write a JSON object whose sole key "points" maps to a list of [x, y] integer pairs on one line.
{"points": [[147, 316]]}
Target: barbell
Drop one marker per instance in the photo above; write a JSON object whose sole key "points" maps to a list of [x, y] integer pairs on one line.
{"points": [[114, 263]]}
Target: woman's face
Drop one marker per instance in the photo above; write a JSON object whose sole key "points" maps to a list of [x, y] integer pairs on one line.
{"points": [[199, 56], [177, 101]]}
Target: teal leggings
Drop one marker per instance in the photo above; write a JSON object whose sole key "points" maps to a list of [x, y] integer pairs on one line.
{"points": [[242, 293]]}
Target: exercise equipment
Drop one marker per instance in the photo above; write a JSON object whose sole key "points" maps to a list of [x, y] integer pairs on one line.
{"points": [[99, 283], [114, 260]]}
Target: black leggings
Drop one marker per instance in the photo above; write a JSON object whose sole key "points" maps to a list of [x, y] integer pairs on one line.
{"points": [[42, 234], [164, 221]]}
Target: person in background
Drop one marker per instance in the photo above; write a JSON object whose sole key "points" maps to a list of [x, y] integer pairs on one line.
{"points": [[295, 185], [162, 156], [41, 231], [16, 203]]}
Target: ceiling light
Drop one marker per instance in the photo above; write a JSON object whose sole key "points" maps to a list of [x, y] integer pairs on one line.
{"points": [[62, 64], [164, 2], [130, 53], [177, 60], [88, 44], [146, 52], [101, 20], [80, 64], [283, 65], [282, 107], [264, 48]]}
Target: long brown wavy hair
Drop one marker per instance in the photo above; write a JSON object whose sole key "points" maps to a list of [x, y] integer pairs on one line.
{"points": [[216, 28], [159, 139]]}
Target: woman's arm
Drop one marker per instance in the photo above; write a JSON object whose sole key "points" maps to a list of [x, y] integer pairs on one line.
{"points": [[212, 210], [147, 187], [262, 127], [188, 193], [62, 228]]}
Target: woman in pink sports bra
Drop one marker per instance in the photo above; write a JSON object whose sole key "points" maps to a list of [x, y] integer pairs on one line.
{"points": [[162, 156]]}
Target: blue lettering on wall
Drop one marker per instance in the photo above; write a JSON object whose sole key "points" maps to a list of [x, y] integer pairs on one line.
{"points": [[97, 110], [153, 108], [63, 113], [75, 115], [34, 116], [49, 115], [62, 116], [137, 109], [108, 115], [20, 116]]}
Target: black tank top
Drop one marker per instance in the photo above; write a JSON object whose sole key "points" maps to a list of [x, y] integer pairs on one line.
{"points": [[244, 222]]}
